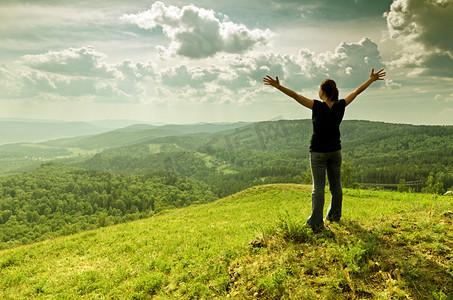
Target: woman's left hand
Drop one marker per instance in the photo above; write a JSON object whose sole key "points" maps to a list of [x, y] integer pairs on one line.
{"points": [[270, 81]]}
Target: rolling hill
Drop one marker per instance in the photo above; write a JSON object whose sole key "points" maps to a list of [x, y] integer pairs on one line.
{"points": [[130, 135], [284, 135], [380, 153], [138, 133], [248, 245], [124, 136]]}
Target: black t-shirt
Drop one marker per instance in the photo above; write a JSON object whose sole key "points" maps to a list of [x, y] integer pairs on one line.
{"points": [[326, 126]]}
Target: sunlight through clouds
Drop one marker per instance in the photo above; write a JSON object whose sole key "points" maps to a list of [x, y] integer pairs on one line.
{"points": [[74, 73], [422, 29], [150, 56]]}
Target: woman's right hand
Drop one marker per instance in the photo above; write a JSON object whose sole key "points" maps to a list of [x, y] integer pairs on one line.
{"points": [[378, 75], [270, 81]]}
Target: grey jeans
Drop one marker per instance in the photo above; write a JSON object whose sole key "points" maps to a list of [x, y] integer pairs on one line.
{"points": [[321, 163]]}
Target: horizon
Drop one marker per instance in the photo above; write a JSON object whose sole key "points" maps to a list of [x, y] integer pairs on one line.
{"points": [[174, 63], [159, 124]]}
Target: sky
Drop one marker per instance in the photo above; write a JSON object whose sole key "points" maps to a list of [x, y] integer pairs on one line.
{"points": [[180, 62]]}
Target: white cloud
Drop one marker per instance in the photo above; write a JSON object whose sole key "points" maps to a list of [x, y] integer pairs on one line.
{"points": [[8, 83], [438, 97], [83, 61], [196, 32], [17, 84], [444, 98], [181, 76], [422, 30], [134, 77], [83, 73], [350, 64], [239, 78], [390, 84], [75, 74]]}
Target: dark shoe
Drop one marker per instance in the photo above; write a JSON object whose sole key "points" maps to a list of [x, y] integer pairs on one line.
{"points": [[317, 228]]}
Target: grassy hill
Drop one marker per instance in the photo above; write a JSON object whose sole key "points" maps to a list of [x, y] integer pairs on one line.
{"points": [[251, 244]]}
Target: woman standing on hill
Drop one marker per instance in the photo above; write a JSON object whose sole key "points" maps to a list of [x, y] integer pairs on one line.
{"points": [[325, 145]]}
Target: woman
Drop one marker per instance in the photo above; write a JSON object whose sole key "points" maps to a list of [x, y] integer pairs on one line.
{"points": [[325, 145]]}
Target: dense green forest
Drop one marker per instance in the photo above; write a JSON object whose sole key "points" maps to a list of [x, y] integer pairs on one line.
{"points": [[136, 171], [58, 200], [379, 153]]}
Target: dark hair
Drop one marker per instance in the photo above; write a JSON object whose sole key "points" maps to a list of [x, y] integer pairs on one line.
{"points": [[329, 87]]}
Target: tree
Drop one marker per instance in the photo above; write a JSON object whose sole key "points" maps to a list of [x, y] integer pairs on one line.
{"points": [[402, 187], [347, 175], [433, 185], [308, 179], [4, 216]]}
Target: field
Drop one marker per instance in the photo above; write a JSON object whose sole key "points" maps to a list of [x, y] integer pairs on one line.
{"points": [[252, 244]]}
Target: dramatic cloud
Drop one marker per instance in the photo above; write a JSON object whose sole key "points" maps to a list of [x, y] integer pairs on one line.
{"points": [[196, 32], [72, 74], [350, 64], [240, 77], [422, 30], [83, 73]]}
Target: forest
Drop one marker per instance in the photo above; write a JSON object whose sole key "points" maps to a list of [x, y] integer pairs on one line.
{"points": [[378, 153], [93, 181], [58, 200]]}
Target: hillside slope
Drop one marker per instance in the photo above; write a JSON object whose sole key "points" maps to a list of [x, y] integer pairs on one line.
{"points": [[250, 244], [380, 152], [139, 133]]}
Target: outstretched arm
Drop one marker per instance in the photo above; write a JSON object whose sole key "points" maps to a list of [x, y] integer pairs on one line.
{"points": [[299, 98], [373, 77]]}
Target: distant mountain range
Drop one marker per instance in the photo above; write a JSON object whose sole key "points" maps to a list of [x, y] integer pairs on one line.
{"points": [[34, 130]]}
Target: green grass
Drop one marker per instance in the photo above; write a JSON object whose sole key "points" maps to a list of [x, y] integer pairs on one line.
{"points": [[250, 245]]}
